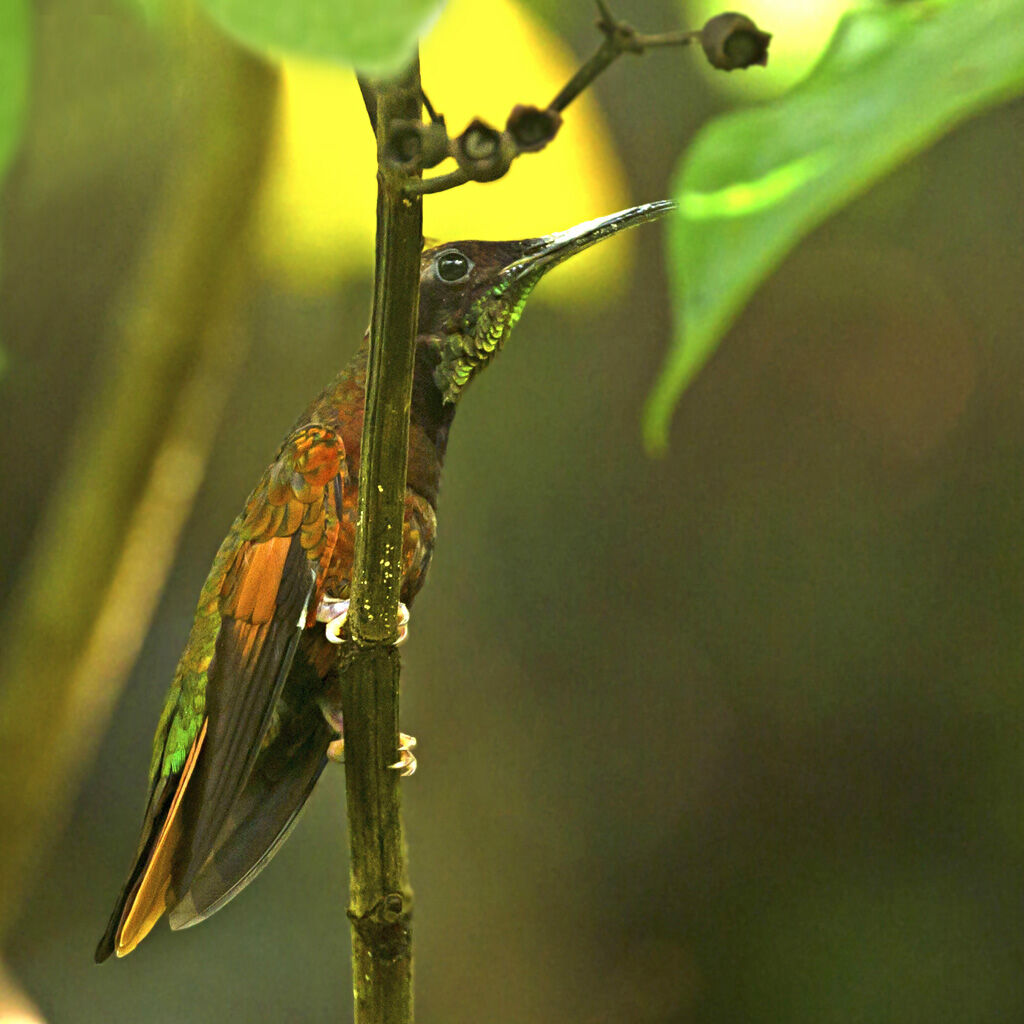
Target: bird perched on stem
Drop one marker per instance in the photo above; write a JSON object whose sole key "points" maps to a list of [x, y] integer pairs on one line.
{"points": [[253, 710]]}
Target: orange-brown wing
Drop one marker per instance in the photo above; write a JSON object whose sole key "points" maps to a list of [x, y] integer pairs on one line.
{"points": [[294, 751], [246, 629], [288, 532]]}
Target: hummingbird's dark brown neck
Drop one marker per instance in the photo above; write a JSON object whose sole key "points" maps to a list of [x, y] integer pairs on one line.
{"points": [[430, 416]]}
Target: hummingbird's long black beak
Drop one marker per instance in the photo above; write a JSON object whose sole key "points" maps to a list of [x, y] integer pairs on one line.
{"points": [[541, 254]]}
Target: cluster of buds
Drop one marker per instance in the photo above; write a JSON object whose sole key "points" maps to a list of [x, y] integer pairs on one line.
{"points": [[482, 152]]}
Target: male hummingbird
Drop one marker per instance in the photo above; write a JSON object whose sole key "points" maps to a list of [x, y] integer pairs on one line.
{"points": [[248, 723]]}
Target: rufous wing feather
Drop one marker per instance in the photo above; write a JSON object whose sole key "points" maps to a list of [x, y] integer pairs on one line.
{"points": [[268, 596]]}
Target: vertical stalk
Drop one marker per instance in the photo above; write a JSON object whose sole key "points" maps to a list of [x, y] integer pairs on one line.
{"points": [[379, 893]]}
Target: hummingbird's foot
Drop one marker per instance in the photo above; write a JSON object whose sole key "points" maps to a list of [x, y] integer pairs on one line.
{"points": [[406, 764], [334, 612], [336, 748], [403, 632]]}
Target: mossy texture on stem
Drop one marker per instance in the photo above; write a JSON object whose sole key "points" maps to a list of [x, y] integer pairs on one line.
{"points": [[379, 895]]}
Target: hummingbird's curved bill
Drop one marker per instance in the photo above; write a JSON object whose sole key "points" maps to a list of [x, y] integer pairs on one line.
{"points": [[542, 254]]}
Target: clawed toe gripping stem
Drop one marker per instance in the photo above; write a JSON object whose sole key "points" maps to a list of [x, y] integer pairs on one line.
{"points": [[333, 611], [405, 765]]}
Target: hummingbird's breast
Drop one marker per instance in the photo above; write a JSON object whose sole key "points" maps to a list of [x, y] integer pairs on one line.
{"points": [[340, 406], [418, 532]]}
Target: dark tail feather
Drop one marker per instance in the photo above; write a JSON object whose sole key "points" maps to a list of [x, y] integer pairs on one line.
{"points": [[250, 669], [156, 812], [146, 894], [268, 807]]}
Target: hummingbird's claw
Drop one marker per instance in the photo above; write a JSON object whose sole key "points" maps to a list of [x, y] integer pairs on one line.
{"points": [[334, 612], [406, 764]]}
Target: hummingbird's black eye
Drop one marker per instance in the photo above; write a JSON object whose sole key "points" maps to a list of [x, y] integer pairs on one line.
{"points": [[452, 266]]}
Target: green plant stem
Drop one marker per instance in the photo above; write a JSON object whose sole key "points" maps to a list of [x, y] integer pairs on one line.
{"points": [[90, 580], [379, 893]]}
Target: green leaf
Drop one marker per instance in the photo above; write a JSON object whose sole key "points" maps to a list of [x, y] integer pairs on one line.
{"points": [[376, 36], [893, 80], [14, 59], [153, 12], [14, 63]]}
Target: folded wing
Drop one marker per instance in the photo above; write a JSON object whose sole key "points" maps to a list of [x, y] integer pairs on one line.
{"points": [[261, 593]]}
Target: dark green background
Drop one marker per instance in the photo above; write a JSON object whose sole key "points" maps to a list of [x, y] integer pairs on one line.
{"points": [[734, 736]]}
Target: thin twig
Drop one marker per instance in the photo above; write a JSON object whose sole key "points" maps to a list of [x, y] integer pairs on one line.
{"points": [[429, 107], [619, 38], [441, 183]]}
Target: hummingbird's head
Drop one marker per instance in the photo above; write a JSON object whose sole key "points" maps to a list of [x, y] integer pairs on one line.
{"points": [[472, 293]]}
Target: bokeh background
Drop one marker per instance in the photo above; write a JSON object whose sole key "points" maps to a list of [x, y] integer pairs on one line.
{"points": [[730, 736]]}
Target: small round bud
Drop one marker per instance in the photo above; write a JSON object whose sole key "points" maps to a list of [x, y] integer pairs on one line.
{"points": [[403, 148], [531, 128], [483, 152], [479, 141], [733, 41]]}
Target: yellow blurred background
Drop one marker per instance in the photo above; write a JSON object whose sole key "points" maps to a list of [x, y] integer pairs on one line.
{"points": [[321, 182]]}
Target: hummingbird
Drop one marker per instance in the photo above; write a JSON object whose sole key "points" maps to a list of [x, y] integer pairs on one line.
{"points": [[252, 715]]}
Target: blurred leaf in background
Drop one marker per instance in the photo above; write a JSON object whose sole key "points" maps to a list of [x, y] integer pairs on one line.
{"points": [[14, 62], [894, 79], [152, 11], [321, 182], [375, 36]]}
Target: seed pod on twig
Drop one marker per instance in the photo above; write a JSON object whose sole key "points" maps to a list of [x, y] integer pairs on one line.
{"points": [[733, 41], [483, 152], [532, 128]]}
